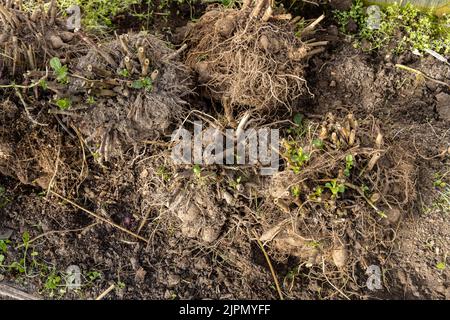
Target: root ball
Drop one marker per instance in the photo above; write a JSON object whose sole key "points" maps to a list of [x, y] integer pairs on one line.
{"points": [[257, 63]]}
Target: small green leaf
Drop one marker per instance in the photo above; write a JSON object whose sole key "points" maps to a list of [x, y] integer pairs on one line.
{"points": [[439, 183], [43, 84], [441, 266], [64, 103], [318, 143], [4, 246], [349, 158], [25, 237], [62, 74], [295, 191], [18, 266], [124, 73], [298, 119], [137, 84], [197, 170], [90, 100], [55, 63], [94, 275]]}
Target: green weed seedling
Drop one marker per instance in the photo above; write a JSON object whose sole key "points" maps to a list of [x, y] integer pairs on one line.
{"points": [[97, 15], [298, 157], [441, 266], [143, 83], [335, 188], [52, 283], [295, 191], [317, 194], [3, 252], [164, 173], [92, 276], [299, 129], [348, 165], [197, 171], [61, 71], [318, 144], [439, 181], [234, 183], [63, 103], [123, 73], [90, 100]]}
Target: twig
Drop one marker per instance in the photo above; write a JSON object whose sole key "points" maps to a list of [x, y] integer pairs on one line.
{"points": [[25, 105], [176, 53], [34, 84], [55, 231], [352, 186], [56, 170], [105, 293], [96, 216], [63, 126], [144, 220], [309, 28], [272, 271], [418, 72], [52, 12], [440, 155], [330, 283], [82, 143], [16, 294], [103, 54]]}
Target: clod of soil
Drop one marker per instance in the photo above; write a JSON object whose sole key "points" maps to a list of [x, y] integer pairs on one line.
{"points": [[199, 213], [443, 105], [40, 157]]}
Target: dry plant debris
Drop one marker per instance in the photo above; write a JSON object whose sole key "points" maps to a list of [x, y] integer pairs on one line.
{"points": [[70, 99], [132, 90], [249, 57], [341, 196]]}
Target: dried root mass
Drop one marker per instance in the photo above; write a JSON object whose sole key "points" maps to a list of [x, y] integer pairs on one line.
{"points": [[248, 58], [342, 194], [132, 90]]}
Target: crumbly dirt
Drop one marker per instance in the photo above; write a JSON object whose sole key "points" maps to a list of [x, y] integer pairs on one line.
{"points": [[79, 181]]}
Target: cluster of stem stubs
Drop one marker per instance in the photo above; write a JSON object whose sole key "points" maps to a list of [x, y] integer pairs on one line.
{"points": [[342, 179], [135, 89], [27, 40], [250, 58]]}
